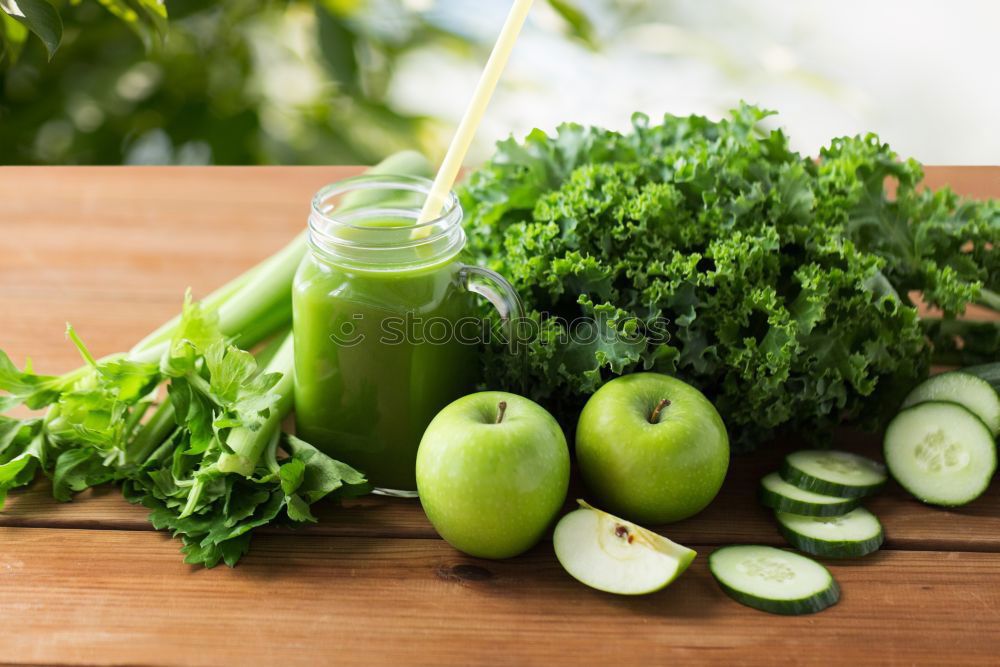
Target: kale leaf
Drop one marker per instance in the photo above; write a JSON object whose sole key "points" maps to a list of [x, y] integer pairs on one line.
{"points": [[778, 285]]}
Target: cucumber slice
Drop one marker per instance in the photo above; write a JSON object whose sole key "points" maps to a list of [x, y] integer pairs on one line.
{"points": [[857, 533], [941, 453], [780, 495], [974, 393], [989, 372], [833, 473], [773, 580]]}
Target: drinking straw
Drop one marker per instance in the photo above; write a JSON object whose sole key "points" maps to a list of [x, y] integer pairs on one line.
{"points": [[455, 156]]}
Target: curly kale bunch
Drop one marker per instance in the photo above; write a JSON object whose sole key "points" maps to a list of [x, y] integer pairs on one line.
{"points": [[782, 285]]}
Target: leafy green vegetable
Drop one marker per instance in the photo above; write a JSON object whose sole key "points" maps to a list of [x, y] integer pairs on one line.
{"points": [[192, 492], [175, 463], [210, 462], [710, 250]]}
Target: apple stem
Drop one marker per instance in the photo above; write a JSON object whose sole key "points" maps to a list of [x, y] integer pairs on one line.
{"points": [[653, 418], [502, 409]]}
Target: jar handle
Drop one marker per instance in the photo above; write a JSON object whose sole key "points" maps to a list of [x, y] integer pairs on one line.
{"points": [[501, 294]]}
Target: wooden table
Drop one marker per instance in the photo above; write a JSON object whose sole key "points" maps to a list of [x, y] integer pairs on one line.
{"points": [[112, 250]]}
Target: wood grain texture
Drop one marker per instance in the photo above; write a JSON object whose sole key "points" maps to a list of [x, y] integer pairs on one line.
{"points": [[977, 182], [112, 250], [120, 597], [734, 516]]}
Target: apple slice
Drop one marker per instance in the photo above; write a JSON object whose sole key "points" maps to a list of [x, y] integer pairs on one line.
{"points": [[617, 556]]}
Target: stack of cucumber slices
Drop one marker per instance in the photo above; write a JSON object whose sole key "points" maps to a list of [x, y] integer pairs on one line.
{"points": [[816, 497], [941, 447]]}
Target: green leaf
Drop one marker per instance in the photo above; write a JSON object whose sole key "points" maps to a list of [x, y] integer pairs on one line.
{"points": [[337, 45], [234, 549], [298, 509], [146, 18], [242, 501], [209, 555], [263, 514], [129, 381], [126, 380], [229, 368], [34, 391], [13, 35], [292, 474], [196, 332], [323, 475], [39, 17], [579, 24], [194, 411], [76, 470], [10, 432], [24, 451], [155, 12], [236, 387], [13, 472]]}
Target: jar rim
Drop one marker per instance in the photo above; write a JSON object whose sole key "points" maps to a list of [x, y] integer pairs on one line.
{"points": [[338, 233], [363, 182]]}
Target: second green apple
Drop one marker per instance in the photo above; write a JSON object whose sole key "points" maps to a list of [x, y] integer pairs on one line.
{"points": [[652, 448]]}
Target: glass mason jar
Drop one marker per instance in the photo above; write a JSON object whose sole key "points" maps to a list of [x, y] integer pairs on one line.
{"points": [[384, 324]]}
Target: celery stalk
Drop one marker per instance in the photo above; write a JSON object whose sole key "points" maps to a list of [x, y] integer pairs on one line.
{"points": [[213, 300], [256, 309], [152, 434], [248, 445], [258, 303]]}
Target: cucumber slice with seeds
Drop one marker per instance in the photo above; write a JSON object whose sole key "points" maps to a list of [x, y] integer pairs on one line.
{"points": [[989, 372], [773, 580], [780, 495], [974, 393], [852, 535], [833, 473], [941, 453]]}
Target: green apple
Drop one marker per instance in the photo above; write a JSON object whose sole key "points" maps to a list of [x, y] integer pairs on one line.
{"points": [[492, 473], [652, 448], [617, 556]]}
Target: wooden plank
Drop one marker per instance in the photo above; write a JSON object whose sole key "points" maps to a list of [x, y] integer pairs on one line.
{"points": [[76, 596], [733, 517], [129, 231], [976, 182], [112, 249], [108, 323], [106, 509]]}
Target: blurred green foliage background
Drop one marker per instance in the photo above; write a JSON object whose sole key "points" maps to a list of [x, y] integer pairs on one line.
{"points": [[232, 82], [349, 81]]}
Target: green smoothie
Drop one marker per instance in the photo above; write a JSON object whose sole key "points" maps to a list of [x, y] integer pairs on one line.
{"points": [[373, 362]]}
